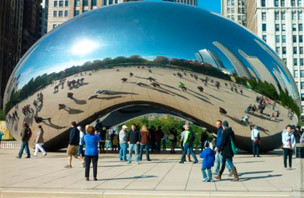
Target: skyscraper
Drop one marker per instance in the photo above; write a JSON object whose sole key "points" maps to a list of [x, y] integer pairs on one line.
{"points": [[280, 24], [63, 10], [235, 10]]}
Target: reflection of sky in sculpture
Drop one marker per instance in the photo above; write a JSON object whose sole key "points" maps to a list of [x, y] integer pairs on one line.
{"points": [[172, 30]]}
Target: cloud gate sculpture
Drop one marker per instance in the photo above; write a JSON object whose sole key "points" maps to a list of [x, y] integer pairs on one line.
{"points": [[131, 59]]}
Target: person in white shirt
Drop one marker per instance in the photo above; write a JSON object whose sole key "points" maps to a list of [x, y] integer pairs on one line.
{"points": [[289, 143], [302, 138], [255, 138], [81, 141]]}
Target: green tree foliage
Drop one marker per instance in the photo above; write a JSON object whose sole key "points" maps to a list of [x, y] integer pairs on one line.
{"points": [[168, 122]]}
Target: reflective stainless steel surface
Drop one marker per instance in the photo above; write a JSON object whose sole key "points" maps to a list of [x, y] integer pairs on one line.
{"points": [[151, 57]]}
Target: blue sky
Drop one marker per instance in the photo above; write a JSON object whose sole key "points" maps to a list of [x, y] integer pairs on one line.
{"points": [[212, 5]]}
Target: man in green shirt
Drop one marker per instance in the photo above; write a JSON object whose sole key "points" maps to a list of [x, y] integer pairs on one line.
{"points": [[188, 144]]}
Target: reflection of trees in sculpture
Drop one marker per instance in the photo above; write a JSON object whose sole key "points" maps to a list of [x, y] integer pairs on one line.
{"points": [[42, 81], [269, 90]]}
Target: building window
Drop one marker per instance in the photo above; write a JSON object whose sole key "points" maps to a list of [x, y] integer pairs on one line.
{"points": [[277, 27], [232, 17], [282, 3], [94, 3], [299, 2], [276, 16], [295, 62], [85, 11], [232, 2], [54, 25], [264, 37], [278, 50], [104, 2], [60, 3], [60, 13], [55, 13], [264, 27], [116, 1], [276, 3], [77, 3], [293, 3], [85, 3], [300, 38], [277, 38], [294, 27], [66, 3], [294, 50], [282, 15], [76, 12], [300, 27], [283, 50], [302, 99], [228, 10], [301, 64], [111, 2], [66, 13], [263, 16], [285, 61], [283, 38], [228, 2], [295, 73], [294, 38], [301, 50], [300, 15], [283, 27], [293, 15], [55, 3], [232, 9], [302, 85], [263, 4]]}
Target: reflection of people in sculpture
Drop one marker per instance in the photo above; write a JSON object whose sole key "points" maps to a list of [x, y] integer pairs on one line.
{"points": [[200, 88], [222, 110], [245, 119], [131, 74], [154, 84], [40, 119], [124, 80], [248, 109], [182, 86]]}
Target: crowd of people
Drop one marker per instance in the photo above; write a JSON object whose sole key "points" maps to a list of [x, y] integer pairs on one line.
{"points": [[84, 143]]}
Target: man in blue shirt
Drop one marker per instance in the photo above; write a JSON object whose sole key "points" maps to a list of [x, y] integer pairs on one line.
{"points": [[218, 156]]}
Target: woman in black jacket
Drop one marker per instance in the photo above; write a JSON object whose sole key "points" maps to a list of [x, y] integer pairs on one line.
{"points": [[226, 151]]}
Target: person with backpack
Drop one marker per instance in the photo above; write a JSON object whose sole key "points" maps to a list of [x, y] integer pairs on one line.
{"points": [[255, 138], [25, 134], [227, 152], [208, 161], [188, 144]]}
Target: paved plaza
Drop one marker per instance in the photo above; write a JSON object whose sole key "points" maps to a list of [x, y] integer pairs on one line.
{"points": [[161, 177]]}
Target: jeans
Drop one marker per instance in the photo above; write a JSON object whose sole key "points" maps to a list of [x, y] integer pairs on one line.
{"points": [[158, 143], [88, 160], [38, 146], [24, 145], [123, 151], [190, 147], [80, 150], [255, 149], [205, 175], [109, 144], [229, 163], [218, 160], [287, 151], [146, 147], [131, 148]]}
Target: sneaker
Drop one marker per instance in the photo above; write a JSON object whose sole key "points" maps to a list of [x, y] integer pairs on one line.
{"points": [[205, 180], [28, 157], [67, 166], [129, 162], [180, 162], [230, 174], [210, 180], [18, 157], [195, 162], [149, 160], [95, 179], [44, 154], [87, 179], [137, 163]]}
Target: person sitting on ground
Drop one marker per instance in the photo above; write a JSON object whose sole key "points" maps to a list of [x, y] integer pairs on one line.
{"points": [[208, 161]]}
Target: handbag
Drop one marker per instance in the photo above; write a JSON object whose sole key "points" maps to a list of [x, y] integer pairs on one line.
{"points": [[234, 149]]}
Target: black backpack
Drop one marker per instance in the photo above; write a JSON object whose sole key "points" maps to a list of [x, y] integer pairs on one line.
{"points": [[191, 137]]}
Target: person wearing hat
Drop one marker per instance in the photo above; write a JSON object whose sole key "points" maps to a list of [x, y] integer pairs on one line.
{"points": [[123, 143], [255, 138], [226, 150]]}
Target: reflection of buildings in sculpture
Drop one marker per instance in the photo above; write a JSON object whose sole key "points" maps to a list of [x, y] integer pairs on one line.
{"points": [[12, 87], [261, 71], [239, 67], [207, 57], [285, 83]]}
